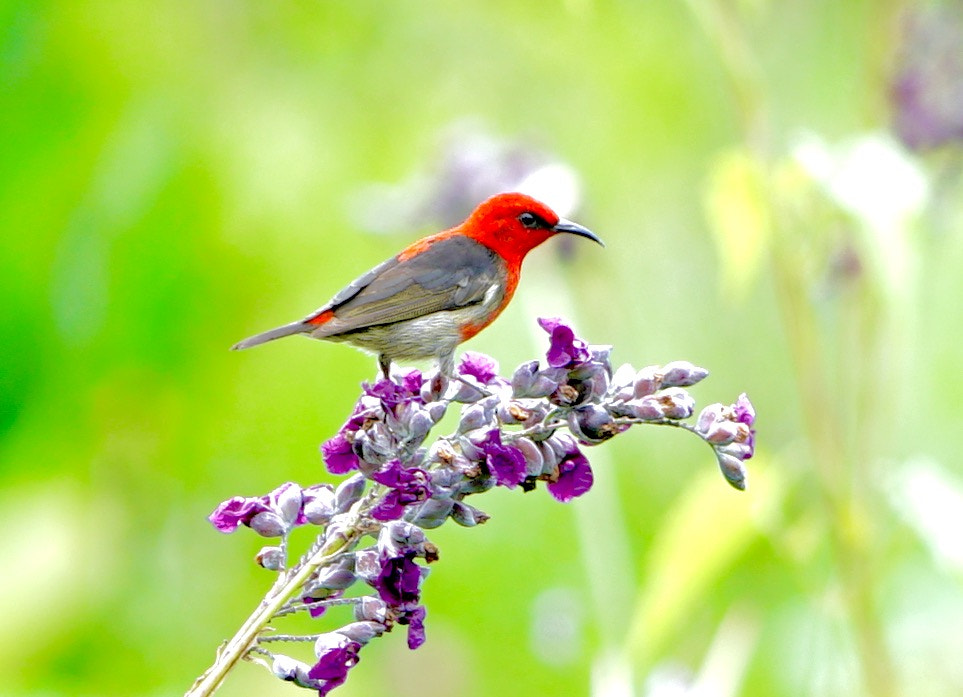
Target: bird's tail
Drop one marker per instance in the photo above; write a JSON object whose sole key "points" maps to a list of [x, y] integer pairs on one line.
{"points": [[271, 335]]}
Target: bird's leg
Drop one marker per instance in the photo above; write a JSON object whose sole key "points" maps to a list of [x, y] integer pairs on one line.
{"points": [[446, 364], [385, 363]]}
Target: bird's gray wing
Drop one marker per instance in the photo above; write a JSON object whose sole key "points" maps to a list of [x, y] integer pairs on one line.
{"points": [[450, 273]]}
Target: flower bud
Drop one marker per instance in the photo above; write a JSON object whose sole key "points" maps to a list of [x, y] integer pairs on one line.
{"points": [[550, 456], [470, 449], [431, 513], [743, 410], [475, 416], [647, 381], [533, 456], [591, 380], [367, 564], [732, 469], [363, 631], [676, 403], [523, 379], [292, 670], [434, 388], [270, 558], [601, 356], [402, 534], [724, 432], [621, 386], [592, 423], [478, 484], [466, 515], [330, 641], [530, 382], [436, 410], [419, 423], [287, 503], [648, 408], [349, 492], [318, 503], [682, 374], [371, 608], [537, 413], [466, 390], [513, 412], [268, 524], [708, 416], [336, 576], [742, 451]]}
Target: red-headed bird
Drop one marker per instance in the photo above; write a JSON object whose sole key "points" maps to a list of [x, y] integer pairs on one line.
{"points": [[439, 291]]}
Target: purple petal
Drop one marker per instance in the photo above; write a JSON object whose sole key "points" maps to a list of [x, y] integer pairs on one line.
{"points": [[234, 512], [479, 366], [390, 475], [565, 349], [744, 411], [389, 508], [506, 462], [411, 382], [416, 627], [338, 455], [393, 393], [399, 580], [334, 663], [409, 485], [549, 323], [574, 478]]}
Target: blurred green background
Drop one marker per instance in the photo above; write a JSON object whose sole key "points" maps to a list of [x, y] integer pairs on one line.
{"points": [[178, 175]]}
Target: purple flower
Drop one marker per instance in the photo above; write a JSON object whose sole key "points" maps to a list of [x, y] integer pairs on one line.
{"points": [[399, 581], [479, 366], [565, 349], [529, 381], [235, 511], [408, 485], [392, 393], [338, 455], [507, 463], [415, 619], [338, 452], [336, 655], [574, 476], [271, 515]]}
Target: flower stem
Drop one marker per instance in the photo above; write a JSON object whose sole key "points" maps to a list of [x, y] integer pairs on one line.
{"points": [[247, 636]]}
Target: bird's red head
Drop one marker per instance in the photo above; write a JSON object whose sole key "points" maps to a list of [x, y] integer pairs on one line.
{"points": [[513, 224]]}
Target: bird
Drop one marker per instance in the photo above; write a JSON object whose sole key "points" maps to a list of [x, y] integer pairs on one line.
{"points": [[437, 292]]}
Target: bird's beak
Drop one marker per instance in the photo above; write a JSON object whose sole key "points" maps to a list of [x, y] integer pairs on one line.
{"points": [[564, 225]]}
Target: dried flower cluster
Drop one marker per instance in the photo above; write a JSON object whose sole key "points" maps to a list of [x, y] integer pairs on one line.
{"points": [[511, 432]]}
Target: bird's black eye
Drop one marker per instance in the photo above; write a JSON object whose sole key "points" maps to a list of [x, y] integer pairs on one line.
{"points": [[529, 220]]}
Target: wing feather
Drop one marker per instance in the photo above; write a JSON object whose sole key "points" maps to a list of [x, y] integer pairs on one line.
{"points": [[452, 272]]}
